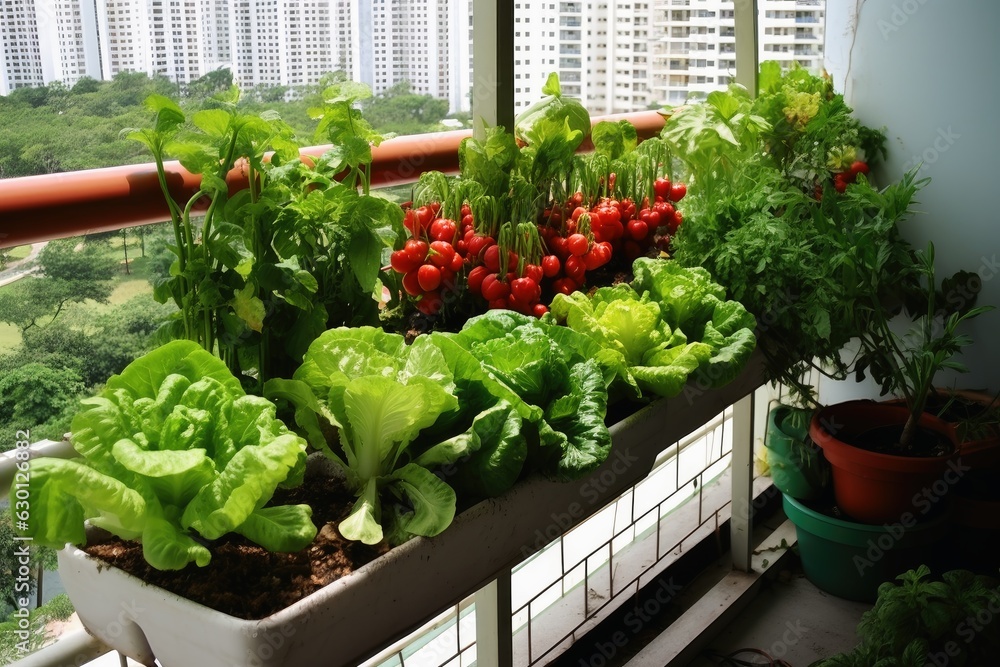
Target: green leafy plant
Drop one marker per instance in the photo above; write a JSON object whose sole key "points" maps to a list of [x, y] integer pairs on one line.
{"points": [[272, 266], [556, 378], [669, 324], [921, 617], [396, 414], [781, 212], [174, 454]]}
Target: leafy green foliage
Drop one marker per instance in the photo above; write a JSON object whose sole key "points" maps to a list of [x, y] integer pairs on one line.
{"points": [[762, 218], [668, 325], [34, 394], [401, 111], [553, 377], [173, 448], [72, 272], [553, 110], [297, 252], [397, 416], [921, 616]]}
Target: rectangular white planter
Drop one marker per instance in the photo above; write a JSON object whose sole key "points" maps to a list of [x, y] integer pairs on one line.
{"points": [[351, 619]]}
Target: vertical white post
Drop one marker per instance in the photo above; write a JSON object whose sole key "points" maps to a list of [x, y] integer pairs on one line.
{"points": [[746, 14], [493, 65], [494, 634], [741, 525]]}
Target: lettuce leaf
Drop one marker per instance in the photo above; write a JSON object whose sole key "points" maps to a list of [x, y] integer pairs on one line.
{"points": [[551, 369], [677, 328], [172, 450], [401, 414]]}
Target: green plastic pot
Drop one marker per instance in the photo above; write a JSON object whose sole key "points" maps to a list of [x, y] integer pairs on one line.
{"points": [[850, 560], [797, 466]]}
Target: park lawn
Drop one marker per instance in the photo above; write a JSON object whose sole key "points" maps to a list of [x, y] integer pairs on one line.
{"points": [[10, 338], [19, 252]]}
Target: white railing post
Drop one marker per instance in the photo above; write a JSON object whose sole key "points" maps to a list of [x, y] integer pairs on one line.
{"points": [[741, 524], [747, 56], [493, 65], [494, 634]]}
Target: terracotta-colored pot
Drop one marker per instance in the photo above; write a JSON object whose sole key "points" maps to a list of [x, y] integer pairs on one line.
{"points": [[980, 446], [878, 488]]}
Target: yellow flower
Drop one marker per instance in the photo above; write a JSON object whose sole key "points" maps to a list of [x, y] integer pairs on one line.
{"points": [[801, 108]]}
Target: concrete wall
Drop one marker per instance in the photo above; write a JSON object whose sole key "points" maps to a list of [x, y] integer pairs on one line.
{"points": [[926, 71]]}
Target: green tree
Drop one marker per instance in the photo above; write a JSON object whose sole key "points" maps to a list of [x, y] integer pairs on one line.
{"points": [[85, 85], [34, 394], [216, 81], [69, 274], [398, 109]]}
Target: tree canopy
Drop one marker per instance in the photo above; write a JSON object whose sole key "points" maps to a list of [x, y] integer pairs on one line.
{"points": [[54, 128]]}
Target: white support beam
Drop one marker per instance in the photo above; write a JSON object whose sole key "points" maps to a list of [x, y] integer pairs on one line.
{"points": [[494, 634], [493, 65], [747, 38], [741, 523]]}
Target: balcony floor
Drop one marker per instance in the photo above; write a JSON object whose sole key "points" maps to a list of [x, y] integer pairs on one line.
{"points": [[790, 619]]}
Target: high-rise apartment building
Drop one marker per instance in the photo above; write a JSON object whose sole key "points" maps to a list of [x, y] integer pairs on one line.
{"points": [[621, 57], [284, 42], [21, 65], [423, 42], [615, 56]]}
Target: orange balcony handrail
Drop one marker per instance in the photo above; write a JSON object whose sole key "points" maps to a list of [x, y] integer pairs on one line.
{"points": [[40, 208]]}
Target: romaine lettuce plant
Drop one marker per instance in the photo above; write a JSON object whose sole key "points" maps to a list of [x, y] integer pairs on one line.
{"points": [[396, 412], [175, 454]]}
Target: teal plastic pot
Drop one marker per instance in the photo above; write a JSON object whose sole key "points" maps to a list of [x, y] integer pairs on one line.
{"points": [[850, 560], [797, 466]]}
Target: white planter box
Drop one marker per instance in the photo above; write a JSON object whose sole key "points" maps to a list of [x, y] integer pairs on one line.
{"points": [[351, 619]]}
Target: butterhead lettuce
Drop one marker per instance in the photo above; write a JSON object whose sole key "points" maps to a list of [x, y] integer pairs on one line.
{"points": [[174, 454]]}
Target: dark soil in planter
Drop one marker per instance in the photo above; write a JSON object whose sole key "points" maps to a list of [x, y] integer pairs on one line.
{"points": [[885, 440], [245, 580]]}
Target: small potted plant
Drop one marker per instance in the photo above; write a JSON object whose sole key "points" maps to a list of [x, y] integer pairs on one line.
{"points": [[883, 455], [923, 620]]}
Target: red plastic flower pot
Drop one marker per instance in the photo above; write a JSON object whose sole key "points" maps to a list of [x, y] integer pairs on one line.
{"points": [[877, 488]]}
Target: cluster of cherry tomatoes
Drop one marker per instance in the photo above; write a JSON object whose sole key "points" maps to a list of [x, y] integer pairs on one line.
{"points": [[521, 267], [842, 179]]}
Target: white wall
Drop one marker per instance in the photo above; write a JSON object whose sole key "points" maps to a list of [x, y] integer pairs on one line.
{"points": [[926, 71]]}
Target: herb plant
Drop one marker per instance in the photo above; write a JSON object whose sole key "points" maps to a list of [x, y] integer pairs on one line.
{"points": [[268, 268], [763, 179], [921, 620]]}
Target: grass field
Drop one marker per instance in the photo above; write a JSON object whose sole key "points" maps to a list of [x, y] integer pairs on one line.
{"points": [[10, 338], [19, 252]]}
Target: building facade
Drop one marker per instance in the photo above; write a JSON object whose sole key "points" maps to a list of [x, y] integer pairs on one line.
{"points": [[615, 56]]}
